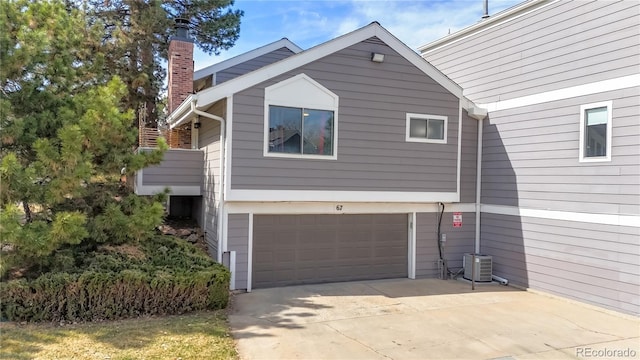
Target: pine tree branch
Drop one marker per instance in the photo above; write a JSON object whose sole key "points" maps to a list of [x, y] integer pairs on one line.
{"points": [[27, 210]]}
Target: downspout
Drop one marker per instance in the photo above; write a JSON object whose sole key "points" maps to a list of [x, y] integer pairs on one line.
{"points": [[222, 245], [478, 184]]}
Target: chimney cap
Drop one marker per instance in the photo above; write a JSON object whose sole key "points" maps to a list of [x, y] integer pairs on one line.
{"points": [[181, 30], [182, 22]]}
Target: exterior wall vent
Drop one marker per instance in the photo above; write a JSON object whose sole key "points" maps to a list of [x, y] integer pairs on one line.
{"points": [[483, 267]]}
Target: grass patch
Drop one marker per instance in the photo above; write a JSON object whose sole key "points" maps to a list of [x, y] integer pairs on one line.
{"points": [[194, 336]]}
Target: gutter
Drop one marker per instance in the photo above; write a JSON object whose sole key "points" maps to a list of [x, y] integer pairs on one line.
{"points": [[184, 108], [478, 185], [479, 114], [222, 245], [188, 109]]}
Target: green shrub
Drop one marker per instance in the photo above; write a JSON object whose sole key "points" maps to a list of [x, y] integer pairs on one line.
{"points": [[169, 276]]}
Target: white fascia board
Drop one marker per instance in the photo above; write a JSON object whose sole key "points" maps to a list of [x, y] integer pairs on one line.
{"points": [[239, 59], [475, 111], [292, 208], [484, 24], [414, 58], [179, 115], [228, 88], [341, 196]]}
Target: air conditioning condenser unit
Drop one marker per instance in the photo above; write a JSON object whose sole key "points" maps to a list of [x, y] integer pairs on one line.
{"points": [[483, 267]]}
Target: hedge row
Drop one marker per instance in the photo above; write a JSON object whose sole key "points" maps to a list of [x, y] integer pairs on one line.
{"points": [[113, 288]]}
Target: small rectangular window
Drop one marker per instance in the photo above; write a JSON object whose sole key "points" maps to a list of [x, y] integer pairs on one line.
{"points": [[426, 128], [300, 131], [595, 132]]}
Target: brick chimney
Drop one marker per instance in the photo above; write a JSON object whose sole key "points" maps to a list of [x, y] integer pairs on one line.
{"points": [[180, 66]]}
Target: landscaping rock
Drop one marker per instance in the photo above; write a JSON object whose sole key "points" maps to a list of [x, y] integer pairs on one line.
{"points": [[184, 232], [193, 238], [167, 230]]}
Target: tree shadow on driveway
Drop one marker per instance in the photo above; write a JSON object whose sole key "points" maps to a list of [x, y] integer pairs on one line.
{"points": [[295, 307]]}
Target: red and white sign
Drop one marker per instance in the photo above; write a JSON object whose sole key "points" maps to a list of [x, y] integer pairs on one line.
{"points": [[457, 219]]}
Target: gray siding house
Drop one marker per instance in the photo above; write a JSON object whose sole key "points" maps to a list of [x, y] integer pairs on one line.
{"points": [[356, 158], [328, 164], [560, 193]]}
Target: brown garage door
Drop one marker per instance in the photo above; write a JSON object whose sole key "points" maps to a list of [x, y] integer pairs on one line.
{"points": [[303, 249]]}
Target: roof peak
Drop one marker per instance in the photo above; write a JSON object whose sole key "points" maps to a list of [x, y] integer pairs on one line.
{"points": [[248, 55]]}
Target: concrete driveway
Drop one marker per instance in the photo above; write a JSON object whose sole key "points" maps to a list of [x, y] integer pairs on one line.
{"points": [[424, 319]]}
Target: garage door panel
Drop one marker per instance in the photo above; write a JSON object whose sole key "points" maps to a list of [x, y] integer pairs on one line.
{"points": [[352, 236], [316, 255], [304, 249], [385, 253], [284, 259], [357, 219], [317, 240], [286, 238], [355, 253], [266, 256]]}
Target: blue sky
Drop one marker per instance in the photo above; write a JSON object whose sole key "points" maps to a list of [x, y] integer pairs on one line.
{"points": [[308, 23]]}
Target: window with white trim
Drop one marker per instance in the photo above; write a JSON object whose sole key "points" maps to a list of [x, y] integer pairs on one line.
{"points": [[595, 132], [301, 119], [300, 131], [426, 128]]}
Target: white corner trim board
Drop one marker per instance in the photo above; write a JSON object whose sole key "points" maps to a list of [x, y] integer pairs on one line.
{"points": [[250, 253], [459, 159], [604, 219], [412, 245], [566, 93]]}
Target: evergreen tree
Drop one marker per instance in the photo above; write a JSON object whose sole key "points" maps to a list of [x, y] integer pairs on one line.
{"points": [[66, 135], [137, 33]]}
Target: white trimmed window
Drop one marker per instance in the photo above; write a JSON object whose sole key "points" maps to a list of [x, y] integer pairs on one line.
{"points": [[595, 132], [300, 120], [426, 128], [300, 131]]}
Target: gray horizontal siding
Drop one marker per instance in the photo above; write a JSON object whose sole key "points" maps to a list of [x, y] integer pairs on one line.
{"points": [[530, 158], [468, 165], [595, 263], [209, 143], [564, 44], [253, 64], [459, 241], [372, 152], [238, 241], [178, 168]]}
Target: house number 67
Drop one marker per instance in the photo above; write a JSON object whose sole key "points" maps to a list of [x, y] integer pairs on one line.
{"points": [[339, 207]]}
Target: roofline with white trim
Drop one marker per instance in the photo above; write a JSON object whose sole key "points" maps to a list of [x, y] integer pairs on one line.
{"points": [[484, 23], [210, 95], [252, 54], [206, 97]]}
